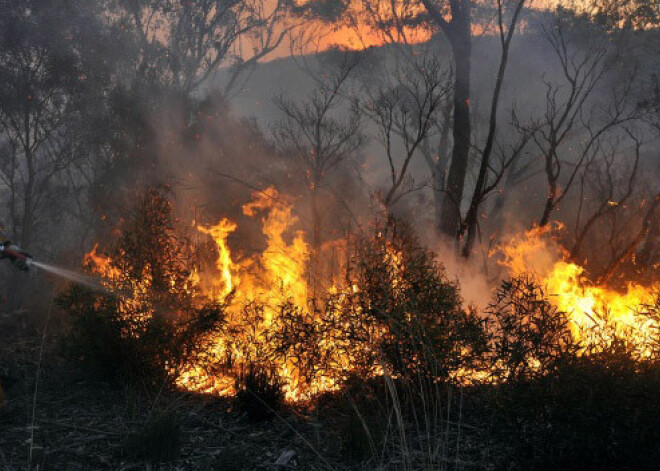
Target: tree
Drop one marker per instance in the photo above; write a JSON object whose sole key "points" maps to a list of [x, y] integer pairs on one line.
{"points": [[483, 187], [320, 141], [569, 110], [458, 31], [627, 14], [44, 76], [404, 104], [183, 43]]}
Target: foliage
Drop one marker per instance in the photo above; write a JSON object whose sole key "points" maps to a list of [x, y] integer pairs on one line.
{"points": [[404, 292], [528, 335], [635, 14], [148, 321], [594, 412]]}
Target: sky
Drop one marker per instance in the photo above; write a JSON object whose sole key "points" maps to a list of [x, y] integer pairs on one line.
{"points": [[359, 38]]}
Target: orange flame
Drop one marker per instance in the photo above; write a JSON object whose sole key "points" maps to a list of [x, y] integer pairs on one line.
{"points": [[596, 313], [225, 266]]}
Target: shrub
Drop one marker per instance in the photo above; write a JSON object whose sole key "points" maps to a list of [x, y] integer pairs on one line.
{"points": [[596, 412], [528, 335], [259, 392], [149, 321], [410, 312]]}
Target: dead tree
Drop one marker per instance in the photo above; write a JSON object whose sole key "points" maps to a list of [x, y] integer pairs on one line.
{"points": [[489, 177], [405, 106], [610, 185], [628, 250], [320, 139], [454, 19], [569, 111]]}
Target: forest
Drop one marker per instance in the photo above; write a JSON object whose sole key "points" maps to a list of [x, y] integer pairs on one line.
{"points": [[329, 235]]}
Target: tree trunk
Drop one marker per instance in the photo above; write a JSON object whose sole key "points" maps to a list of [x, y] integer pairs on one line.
{"points": [[461, 42], [439, 170], [549, 205]]}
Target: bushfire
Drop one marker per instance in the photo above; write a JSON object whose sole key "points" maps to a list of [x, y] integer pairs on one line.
{"points": [[268, 306], [598, 315], [266, 297]]}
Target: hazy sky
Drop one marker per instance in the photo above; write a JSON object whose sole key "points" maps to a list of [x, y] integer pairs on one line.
{"points": [[354, 39]]}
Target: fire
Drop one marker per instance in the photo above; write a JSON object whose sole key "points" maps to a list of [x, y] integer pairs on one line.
{"points": [[225, 266], [284, 264], [265, 298], [254, 289], [270, 322], [116, 280], [597, 314]]}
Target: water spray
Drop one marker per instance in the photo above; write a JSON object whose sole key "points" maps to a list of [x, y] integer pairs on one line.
{"points": [[24, 261]]}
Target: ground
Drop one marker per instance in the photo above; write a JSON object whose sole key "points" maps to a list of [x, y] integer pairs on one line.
{"points": [[70, 421], [56, 416]]}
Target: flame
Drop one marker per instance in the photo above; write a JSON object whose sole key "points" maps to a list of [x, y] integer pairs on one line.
{"points": [[266, 299], [219, 233], [270, 292], [597, 314], [284, 263]]}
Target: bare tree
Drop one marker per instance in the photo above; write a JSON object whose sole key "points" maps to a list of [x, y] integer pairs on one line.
{"points": [[320, 139], [405, 105], [489, 177], [607, 187], [455, 19], [569, 111]]}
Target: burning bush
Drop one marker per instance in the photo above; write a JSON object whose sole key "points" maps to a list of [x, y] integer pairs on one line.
{"points": [[394, 312], [403, 294], [529, 336], [149, 320]]}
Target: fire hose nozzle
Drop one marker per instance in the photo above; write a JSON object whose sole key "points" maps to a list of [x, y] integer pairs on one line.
{"points": [[17, 256]]}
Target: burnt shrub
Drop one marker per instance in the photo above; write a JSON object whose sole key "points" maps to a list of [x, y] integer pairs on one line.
{"points": [[148, 321], [259, 392]]}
